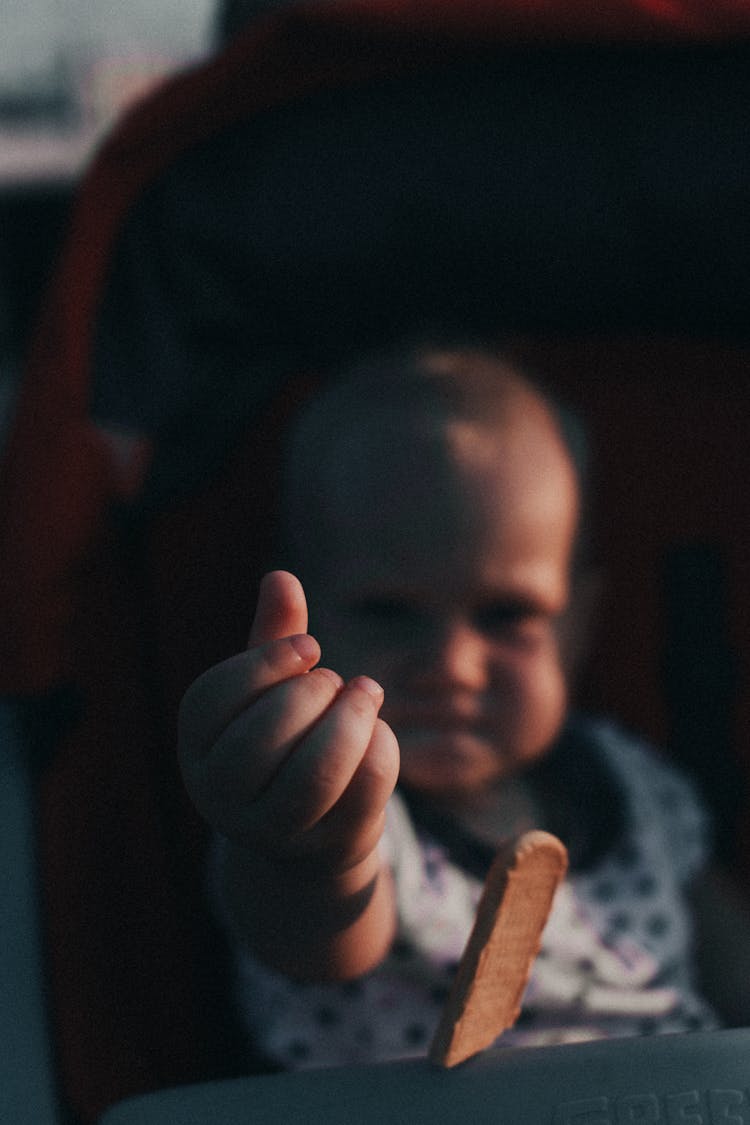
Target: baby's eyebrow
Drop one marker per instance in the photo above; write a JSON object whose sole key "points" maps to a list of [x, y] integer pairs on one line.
{"points": [[510, 602], [516, 604]]}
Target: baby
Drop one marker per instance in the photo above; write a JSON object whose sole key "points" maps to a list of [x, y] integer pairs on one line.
{"points": [[433, 513]]}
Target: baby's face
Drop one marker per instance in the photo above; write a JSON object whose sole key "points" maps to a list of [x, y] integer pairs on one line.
{"points": [[446, 585]]}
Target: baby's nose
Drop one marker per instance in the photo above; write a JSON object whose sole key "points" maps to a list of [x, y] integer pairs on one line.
{"points": [[459, 657]]}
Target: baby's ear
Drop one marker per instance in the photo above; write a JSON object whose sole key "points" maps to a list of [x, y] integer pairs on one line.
{"points": [[576, 626]]}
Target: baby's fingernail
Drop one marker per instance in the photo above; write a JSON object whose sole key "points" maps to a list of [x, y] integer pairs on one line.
{"points": [[329, 672], [372, 687], [305, 646]]}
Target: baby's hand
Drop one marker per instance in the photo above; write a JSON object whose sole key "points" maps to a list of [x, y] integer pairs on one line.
{"points": [[283, 757]]}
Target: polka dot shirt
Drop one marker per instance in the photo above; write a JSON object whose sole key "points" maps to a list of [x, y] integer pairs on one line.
{"points": [[615, 957]]}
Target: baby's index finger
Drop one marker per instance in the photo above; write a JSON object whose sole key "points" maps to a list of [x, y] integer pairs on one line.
{"points": [[281, 610]]}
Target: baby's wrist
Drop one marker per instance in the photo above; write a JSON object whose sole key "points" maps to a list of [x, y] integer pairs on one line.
{"points": [[299, 918], [324, 873]]}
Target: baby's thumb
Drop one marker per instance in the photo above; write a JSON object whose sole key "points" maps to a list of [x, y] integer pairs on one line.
{"points": [[281, 610]]}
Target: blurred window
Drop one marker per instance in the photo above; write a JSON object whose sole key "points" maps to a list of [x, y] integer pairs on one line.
{"points": [[68, 68]]}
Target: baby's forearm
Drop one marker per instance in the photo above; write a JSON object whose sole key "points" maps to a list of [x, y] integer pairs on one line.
{"points": [[307, 922]]}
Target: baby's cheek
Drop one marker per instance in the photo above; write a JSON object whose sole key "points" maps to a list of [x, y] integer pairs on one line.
{"points": [[540, 693]]}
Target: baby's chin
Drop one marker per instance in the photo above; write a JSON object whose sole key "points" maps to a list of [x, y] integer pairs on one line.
{"points": [[455, 763]]}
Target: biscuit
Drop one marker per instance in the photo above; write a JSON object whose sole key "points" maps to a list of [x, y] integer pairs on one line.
{"points": [[516, 901]]}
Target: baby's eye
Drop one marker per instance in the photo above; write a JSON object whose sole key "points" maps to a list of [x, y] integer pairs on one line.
{"points": [[517, 624]]}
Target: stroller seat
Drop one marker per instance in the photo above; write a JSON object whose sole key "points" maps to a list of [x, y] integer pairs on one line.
{"points": [[253, 221]]}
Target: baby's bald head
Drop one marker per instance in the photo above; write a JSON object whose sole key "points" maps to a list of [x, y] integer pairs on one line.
{"points": [[398, 423]]}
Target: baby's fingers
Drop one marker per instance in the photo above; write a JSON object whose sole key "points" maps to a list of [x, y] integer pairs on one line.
{"points": [[222, 693], [351, 830], [319, 771], [230, 775], [281, 609]]}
